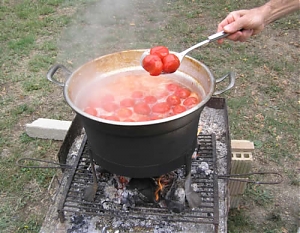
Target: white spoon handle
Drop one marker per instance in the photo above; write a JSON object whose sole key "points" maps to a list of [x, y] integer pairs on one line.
{"points": [[211, 38]]}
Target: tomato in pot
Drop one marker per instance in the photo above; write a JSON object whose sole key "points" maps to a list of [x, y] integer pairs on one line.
{"points": [[109, 106], [142, 108], [190, 101], [137, 94], [128, 120], [182, 93], [156, 117], [112, 118], [178, 109], [150, 99], [127, 102], [162, 107], [172, 87], [173, 100], [124, 112], [91, 111], [138, 97], [143, 118]]}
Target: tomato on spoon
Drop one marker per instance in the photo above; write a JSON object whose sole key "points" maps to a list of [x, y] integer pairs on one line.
{"points": [[153, 64], [170, 63]]}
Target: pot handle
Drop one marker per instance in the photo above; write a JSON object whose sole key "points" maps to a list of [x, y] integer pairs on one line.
{"points": [[231, 76], [53, 70]]}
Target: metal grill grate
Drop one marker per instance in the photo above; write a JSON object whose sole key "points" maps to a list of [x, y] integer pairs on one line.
{"points": [[208, 213]]}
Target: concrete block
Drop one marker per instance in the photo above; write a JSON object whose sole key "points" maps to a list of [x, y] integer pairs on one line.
{"points": [[242, 145], [237, 187], [48, 129], [235, 201], [241, 163]]}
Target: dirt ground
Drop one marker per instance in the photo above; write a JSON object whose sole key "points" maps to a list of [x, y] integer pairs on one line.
{"points": [[283, 211], [256, 206], [267, 87]]}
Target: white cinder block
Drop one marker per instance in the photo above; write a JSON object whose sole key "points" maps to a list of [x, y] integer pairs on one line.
{"points": [[48, 129], [241, 163], [242, 145]]}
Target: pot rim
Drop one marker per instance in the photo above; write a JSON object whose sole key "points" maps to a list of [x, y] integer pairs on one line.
{"points": [[140, 123]]}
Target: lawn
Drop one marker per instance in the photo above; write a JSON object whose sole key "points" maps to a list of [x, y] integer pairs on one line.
{"points": [[263, 106]]}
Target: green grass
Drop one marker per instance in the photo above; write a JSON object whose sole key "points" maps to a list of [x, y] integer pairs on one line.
{"points": [[259, 195], [28, 46], [238, 222], [263, 106]]}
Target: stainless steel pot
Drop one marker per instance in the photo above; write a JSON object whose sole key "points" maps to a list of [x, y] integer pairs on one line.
{"points": [[140, 149]]}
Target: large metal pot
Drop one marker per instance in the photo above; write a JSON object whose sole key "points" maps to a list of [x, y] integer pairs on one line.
{"points": [[140, 149]]}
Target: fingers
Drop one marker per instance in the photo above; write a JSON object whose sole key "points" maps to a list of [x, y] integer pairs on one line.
{"points": [[229, 26], [241, 36], [246, 34], [237, 24]]}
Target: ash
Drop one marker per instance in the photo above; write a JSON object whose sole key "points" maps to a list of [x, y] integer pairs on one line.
{"points": [[124, 194], [212, 122]]}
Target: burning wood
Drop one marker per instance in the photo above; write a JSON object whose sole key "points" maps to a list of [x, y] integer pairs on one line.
{"points": [[163, 182], [144, 188], [122, 181]]}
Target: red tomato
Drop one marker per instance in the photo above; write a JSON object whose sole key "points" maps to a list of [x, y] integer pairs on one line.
{"points": [[143, 118], [112, 118], [150, 99], [172, 87], [110, 106], [137, 94], [162, 107], [91, 111], [190, 101], [160, 51], [173, 100], [128, 120], [178, 109], [127, 102], [124, 112], [170, 63], [142, 108], [183, 93], [156, 117], [153, 64]]}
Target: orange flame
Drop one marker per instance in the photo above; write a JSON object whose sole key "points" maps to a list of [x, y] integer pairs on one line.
{"points": [[159, 188]]}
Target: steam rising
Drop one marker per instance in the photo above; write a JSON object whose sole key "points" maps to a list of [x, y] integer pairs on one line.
{"points": [[108, 26]]}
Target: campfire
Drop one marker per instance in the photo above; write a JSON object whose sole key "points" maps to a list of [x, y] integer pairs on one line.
{"points": [[183, 200]]}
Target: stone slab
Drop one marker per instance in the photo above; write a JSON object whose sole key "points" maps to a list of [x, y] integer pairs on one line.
{"points": [[48, 129]]}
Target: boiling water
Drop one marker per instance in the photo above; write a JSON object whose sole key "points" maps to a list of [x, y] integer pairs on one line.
{"points": [[136, 96]]}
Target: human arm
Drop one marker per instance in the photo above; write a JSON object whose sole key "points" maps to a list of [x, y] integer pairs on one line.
{"points": [[253, 21]]}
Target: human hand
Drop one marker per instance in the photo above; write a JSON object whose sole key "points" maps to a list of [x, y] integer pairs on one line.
{"points": [[242, 24]]}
